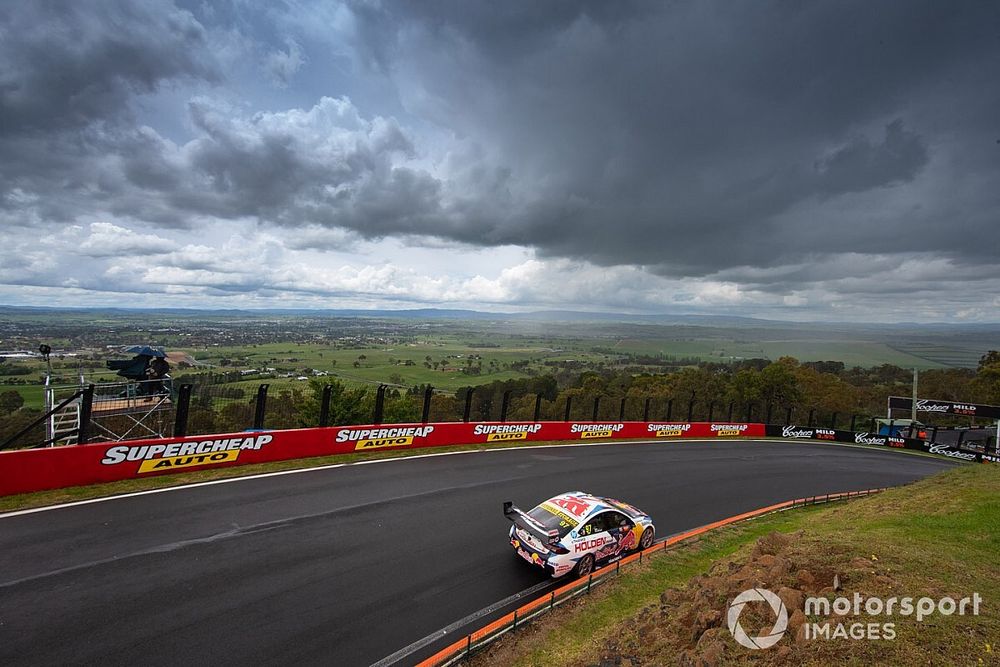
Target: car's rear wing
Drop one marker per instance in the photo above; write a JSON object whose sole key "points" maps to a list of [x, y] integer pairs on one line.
{"points": [[524, 520]]}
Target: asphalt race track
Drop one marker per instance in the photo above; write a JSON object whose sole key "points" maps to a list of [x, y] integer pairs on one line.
{"points": [[344, 566]]}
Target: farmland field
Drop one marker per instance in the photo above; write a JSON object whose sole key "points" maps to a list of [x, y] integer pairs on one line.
{"points": [[444, 351]]}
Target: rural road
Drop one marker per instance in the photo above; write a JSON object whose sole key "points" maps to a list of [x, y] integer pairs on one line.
{"points": [[347, 565]]}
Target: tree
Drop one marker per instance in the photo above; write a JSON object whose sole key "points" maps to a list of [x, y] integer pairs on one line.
{"points": [[10, 401], [348, 405]]}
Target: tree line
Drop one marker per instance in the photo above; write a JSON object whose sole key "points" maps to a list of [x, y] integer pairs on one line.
{"points": [[822, 388]]}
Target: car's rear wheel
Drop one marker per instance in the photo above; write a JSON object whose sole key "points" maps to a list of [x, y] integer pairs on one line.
{"points": [[585, 566], [646, 540]]}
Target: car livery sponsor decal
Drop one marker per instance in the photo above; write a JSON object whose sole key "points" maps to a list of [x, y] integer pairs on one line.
{"points": [[596, 430], [588, 544], [494, 432], [575, 505], [625, 542], [173, 455], [729, 429], [563, 517], [668, 430], [375, 438]]}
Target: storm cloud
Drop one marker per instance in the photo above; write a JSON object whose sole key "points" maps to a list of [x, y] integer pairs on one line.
{"points": [[795, 153]]}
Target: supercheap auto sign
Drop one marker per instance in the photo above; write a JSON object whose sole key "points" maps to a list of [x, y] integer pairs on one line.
{"points": [[378, 438], [23, 471], [498, 432], [173, 455]]}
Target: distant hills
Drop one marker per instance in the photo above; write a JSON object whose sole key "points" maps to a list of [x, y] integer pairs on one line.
{"points": [[532, 316]]}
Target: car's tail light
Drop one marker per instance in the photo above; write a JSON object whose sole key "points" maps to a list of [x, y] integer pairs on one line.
{"points": [[557, 548]]}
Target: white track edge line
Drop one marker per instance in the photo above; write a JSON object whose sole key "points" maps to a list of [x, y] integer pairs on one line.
{"points": [[330, 466], [278, 473]]}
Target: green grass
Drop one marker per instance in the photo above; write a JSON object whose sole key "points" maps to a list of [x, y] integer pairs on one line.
{"points": [[938, 537], [575, 635], [33, 394], [852, 353]]}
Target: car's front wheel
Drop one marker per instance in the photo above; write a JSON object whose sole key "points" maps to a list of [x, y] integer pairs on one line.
{"points": [[646, 540], [585, 566]]}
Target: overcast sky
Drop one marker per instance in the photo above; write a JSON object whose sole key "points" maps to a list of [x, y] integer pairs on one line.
{"points": [[792, 160]]}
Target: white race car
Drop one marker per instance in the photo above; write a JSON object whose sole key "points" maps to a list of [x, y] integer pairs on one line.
{"points": [[576, 531]]}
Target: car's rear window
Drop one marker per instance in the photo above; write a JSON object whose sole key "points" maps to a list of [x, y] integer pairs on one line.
{"points": [[553, 519]]}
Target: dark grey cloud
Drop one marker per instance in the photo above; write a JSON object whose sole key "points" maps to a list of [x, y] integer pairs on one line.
{"points": [[772, 144], [66, 65], [689, 137], [69, 75]]}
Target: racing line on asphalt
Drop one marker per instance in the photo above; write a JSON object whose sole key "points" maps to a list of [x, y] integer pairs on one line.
{"points": [[346, 565]]}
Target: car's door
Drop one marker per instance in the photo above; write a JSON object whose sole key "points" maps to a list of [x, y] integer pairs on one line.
{"points": [[621, 528], [593, 537]]}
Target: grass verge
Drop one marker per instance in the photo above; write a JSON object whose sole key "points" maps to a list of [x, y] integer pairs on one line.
{"points": [[937, 537]]}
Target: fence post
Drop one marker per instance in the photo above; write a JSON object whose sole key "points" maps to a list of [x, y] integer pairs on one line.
{"points": [[833, 420], [86, 410], [711, 409], [788, 416], [729, 415], [749, 411], [379, 404], [569, 403], [258, 415], [812, 414], [670, 410], [645, 409], [181, 415], [621, 410], [767, 420], [468, 405], [324, 405], [538, 406], [504, 406], [426, 414], [691, 407], [597, 406], [961, 436], [934, 435], [873, 424], [854, 422]]}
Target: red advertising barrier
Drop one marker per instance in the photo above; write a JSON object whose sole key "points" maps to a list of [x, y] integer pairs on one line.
{"points": [[23, 471]]}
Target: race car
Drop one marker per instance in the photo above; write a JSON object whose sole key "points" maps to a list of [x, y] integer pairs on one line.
{"points": [[577, 531]]}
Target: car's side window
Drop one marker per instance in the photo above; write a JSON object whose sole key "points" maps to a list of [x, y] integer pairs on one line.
{"points": [[618, 520], [594, 526]]}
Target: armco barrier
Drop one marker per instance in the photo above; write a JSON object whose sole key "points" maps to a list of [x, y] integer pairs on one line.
{"points": [[477, 639], [23, 471]]}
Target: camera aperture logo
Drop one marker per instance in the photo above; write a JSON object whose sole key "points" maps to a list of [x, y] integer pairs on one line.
{"points": [[873, 607], [760, 641]]}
